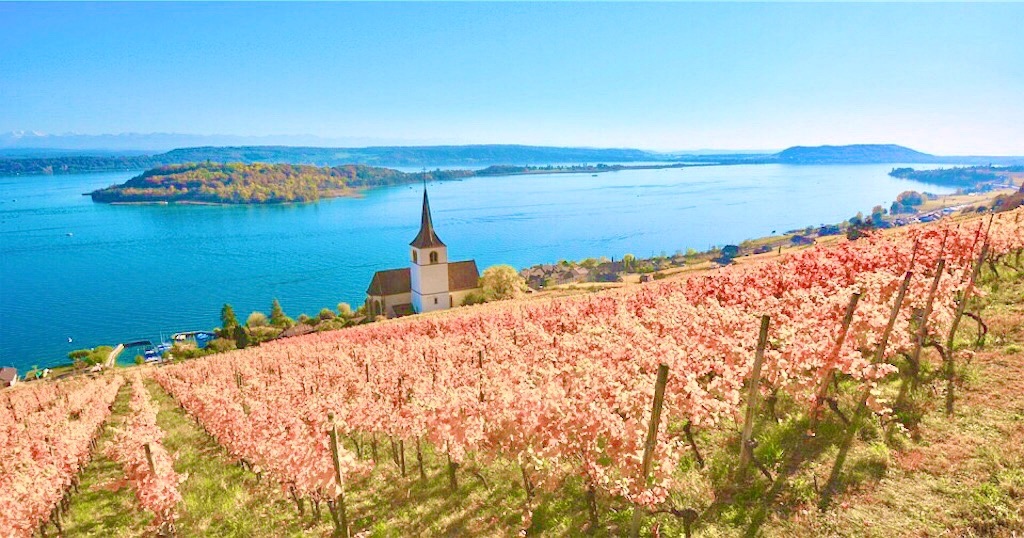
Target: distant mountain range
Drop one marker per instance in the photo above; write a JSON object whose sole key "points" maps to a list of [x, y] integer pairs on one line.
{"points": [[13, 142], [43, 161]]}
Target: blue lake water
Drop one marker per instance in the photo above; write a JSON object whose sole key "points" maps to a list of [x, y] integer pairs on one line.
{"points": [[131, 272]]}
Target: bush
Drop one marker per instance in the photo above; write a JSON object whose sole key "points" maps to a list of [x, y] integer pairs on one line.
{"points": [[345, 310], [256, 319], [476, 297], [220, 345]]}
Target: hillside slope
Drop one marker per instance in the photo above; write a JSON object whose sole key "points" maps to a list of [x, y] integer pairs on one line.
{"points": [[960, 476]]}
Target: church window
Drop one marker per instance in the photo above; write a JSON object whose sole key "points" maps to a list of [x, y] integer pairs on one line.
{"points": [[414, 256], [433, 257]]}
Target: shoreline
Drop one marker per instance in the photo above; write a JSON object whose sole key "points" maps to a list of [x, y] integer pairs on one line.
{"points": [[359, 192]]}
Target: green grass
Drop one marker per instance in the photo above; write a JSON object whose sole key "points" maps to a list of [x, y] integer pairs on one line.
{"points": [[97, 509], [219, 497]]}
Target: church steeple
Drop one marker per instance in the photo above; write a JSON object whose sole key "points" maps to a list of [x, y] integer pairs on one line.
{"points": [[426, 238]]}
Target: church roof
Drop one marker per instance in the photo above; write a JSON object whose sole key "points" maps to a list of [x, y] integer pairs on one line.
{"points": [[390, 282], [426, 238], [463, 275]]}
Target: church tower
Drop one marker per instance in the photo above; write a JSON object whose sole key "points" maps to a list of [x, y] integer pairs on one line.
{"points": [[429, 269]]}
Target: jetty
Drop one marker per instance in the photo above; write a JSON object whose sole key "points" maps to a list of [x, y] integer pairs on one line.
{"points": [[112, 358]]}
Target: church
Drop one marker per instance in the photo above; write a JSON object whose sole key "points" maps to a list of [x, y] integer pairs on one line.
{"points": [[430, 282]]}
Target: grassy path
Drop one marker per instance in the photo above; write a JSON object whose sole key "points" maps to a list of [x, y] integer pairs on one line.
{"points": [[97, 510], [220, 498]]}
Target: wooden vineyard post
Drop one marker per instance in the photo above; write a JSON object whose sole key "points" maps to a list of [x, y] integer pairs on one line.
{"points": [[825, 383], [922, 332], [149, 458], [862, 404], [419, 459], [746, 449], [401, 455], [453, 481], [649, 443], [949, 367], [338, 505], [480, 366]]}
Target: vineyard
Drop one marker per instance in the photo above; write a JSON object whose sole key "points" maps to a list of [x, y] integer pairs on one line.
{"points": [[752, 395]]}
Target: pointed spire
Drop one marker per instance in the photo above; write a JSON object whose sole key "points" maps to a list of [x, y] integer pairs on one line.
{"points": [[426, 238]]}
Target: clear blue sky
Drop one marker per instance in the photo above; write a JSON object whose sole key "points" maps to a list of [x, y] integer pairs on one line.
{"points": [[943, 78]]}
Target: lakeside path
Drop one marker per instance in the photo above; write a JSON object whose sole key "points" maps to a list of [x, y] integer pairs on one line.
{"points": [[112, 358]]}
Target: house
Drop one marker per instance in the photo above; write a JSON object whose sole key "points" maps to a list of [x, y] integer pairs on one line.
{"points": [[802, 240], [430, 282], [8, 377], [579, 274]]}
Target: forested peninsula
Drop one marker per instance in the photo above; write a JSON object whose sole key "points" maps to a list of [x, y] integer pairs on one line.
{"points": [[240, 183], [262, 183], [964, 176]]}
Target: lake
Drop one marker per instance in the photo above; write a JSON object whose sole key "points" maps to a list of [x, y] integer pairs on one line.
{"points": [[97, 274]]}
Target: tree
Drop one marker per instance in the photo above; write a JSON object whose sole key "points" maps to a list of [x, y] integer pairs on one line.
{"points": [[256, 319], [910, 198], [502, 282], [228, 321], [628, 261], [277, 316], [241, 337], [326, 314], [345, 310]]}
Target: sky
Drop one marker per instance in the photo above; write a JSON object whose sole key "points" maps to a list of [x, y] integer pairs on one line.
{"points": [[942, 78]]}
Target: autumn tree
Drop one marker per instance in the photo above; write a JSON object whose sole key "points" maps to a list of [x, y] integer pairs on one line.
{"points": [[345, 310], [629, 262], [502, 282], [256, 319]]}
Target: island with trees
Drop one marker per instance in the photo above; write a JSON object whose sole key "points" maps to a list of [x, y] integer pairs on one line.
{"points": [[259, 183], [968, 177], [262, 183]]}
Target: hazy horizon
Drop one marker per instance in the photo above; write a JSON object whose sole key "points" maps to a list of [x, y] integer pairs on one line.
{"points": [[944, 79]]}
